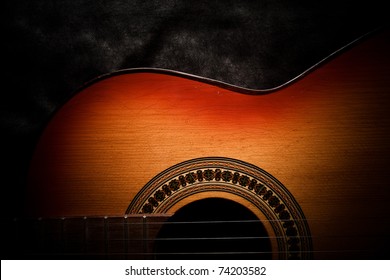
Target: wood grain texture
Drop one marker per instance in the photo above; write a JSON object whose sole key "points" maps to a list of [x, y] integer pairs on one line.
{"points": [[324, 137]]}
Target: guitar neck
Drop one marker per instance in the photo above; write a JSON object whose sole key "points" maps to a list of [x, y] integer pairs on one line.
{"points": [[113, 237]]}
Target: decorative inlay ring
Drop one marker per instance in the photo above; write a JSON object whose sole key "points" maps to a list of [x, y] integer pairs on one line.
{"points": [[233, 176]]}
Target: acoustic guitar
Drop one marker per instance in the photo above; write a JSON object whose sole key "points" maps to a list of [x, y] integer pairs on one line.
{"points": [[150, 164]]}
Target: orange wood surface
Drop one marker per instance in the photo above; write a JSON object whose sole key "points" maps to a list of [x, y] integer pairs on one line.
{"points": [[325, 137]]}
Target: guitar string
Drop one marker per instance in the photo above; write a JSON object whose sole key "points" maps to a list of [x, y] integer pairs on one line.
{"points": [[113, 229], [244, 237], [99, 229], [249, 252], [128, 222], [225, 238], [197, 253], [93, 241], [103, 226]]}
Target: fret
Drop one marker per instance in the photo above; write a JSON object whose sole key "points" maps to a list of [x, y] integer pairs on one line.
{"points": [[126, 235], [62, 236], [74, 236], [95, 244], [106, 238], [135, 247], [9, 238], [85, 236], [115, 245], [153, 224], [144, 235]]}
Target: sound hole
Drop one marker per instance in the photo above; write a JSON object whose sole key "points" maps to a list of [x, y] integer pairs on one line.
{"points": [[213, 228]]}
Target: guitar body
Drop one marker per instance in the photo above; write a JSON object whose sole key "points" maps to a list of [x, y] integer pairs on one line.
{"points": [[320, 144]]}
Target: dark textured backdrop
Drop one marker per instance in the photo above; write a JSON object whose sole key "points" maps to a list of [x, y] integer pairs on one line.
{"points": [[51, 48]]}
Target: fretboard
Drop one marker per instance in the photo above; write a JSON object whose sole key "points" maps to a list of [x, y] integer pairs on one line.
{"points": [[126, 237]]}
